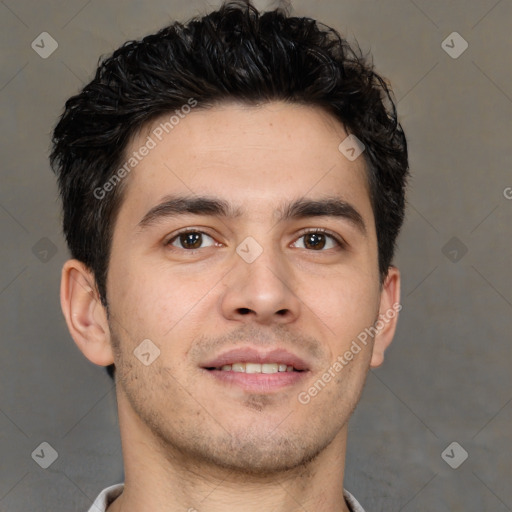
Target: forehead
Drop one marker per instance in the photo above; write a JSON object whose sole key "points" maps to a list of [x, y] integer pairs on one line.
{"points": [[253, 156]]}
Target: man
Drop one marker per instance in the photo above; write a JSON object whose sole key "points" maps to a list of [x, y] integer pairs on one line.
{"points": [[232, 191]]}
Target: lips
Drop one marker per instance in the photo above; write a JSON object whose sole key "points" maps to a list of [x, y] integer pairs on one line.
{"points": [[250, 355]]}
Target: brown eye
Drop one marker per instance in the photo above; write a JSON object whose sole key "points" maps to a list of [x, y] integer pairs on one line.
{"points": [[190, 240], [314, 241], [318, 240]]}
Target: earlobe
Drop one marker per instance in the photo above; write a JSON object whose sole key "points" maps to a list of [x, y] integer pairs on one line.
{"points": [[388, 316], [85, 315]]}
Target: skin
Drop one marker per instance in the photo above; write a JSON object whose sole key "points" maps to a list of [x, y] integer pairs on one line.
{"points": [[190, 442]]}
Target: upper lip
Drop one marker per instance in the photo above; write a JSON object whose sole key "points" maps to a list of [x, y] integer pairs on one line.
{"points": [[251, 355]]}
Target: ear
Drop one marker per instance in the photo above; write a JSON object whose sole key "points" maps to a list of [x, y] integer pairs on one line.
{"points": [[388, 316], [85, 314]]}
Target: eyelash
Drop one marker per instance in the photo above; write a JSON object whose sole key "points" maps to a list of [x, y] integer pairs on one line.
{"points": [[337, 240]]}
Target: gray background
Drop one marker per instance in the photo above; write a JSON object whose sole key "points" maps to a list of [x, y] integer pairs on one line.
{"points": [[447, 375]]}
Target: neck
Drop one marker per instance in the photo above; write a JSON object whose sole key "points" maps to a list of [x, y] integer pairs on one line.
{"points": [[159, 478]]}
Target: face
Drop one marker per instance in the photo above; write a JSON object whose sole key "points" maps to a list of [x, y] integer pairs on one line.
{"points": [[278, 263]]}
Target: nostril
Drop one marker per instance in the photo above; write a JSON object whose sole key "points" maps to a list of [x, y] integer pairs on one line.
{"points": [[244, 311]]}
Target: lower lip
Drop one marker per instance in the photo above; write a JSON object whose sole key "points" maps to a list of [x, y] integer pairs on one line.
{"points": [[258, 382]]}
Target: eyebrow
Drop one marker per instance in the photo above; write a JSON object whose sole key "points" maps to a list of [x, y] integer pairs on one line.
{"points": [[174, 206]]}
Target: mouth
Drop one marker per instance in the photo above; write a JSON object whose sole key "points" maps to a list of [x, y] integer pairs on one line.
{"points": [[267, 368], [250, 360], [255, 371]]}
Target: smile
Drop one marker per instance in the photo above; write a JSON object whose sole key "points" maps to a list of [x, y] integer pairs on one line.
{"points": [[255, 368]]}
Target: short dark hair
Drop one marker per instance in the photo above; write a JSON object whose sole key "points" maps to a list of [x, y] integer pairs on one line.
{"points": [[233, 53]]}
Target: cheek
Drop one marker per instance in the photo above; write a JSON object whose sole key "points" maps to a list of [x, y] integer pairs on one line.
{"points": [[156, 301], [346, 305]]}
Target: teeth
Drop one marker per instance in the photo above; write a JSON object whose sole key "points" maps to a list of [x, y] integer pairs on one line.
{"points": [[252, 368], [256, 368], [269, 368]]}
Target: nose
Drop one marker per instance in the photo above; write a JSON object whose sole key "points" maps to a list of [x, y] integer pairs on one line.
{"points": [[263, 291]]}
